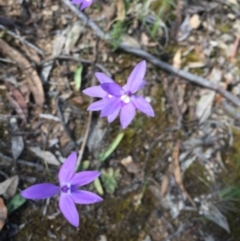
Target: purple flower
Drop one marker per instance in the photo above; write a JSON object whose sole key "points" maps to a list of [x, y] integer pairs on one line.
{"points": [[117, 99], [68, 189], [84, 3]]}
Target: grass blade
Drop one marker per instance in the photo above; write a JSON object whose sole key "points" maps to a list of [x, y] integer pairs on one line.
{"points": [[78, 78], [103, 156], [16, 202]]}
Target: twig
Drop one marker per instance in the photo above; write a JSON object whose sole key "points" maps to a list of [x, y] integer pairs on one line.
{"points": [[80, 153], [60, 104], [23, 162], [182, 228], [86, 61], [93, 82], [152, 59], [89, 22], [21, 39], [7, 60], [235, 48], [176, 171], [181, 73]]}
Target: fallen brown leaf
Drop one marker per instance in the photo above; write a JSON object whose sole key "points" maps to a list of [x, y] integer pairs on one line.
{"points": [[16, 140], [73, 35], [109, 11], [47, 156], [16, 107], [235, 49], [8, 188], [17, 100], [144, 39], [164, 185], [121, 13], [32, 54], [177, 59], [33, 80], [128, 40], [130, 165], [3, 213], [176, 170], [195, 21]]}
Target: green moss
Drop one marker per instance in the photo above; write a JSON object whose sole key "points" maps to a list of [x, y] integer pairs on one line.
{"points": [[192, 57], [171, 48], [231, 185], [225, 28], [196, 181], [162, 6], [144, 130], [118, 219]]}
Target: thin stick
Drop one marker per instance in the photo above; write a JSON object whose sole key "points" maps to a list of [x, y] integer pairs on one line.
{"points": [[24, 41], [89, 22], [7, 61], [81, 60], [85, 138], [93, 82], [23, 162], [152, 59], [80, 153]]}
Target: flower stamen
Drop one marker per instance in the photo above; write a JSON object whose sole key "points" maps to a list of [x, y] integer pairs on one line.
{"points": [[125, 98], [66, 188]]}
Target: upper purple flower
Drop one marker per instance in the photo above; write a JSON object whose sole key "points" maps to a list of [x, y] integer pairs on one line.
{"points": [[84, 3], [68, 189], [116, 98]]}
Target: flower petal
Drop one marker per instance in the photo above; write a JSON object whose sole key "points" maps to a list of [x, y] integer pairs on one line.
{"points": [[40, 191], [112, 89], [85, 197], [141, 104], [113, 116], [143, 83], [68, 209], [102, 78], [86, 4], [113, 104], [134, 82], [127, 114], [76, 1], [95, 91], [85, 177], [68, 169], [97, 105]]}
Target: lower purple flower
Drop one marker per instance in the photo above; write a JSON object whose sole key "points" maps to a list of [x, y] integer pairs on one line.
{"points": [[68, 189]]}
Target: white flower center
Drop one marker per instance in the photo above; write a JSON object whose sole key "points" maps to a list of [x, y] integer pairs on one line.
{"points": [[110, 96], [125, 98]]}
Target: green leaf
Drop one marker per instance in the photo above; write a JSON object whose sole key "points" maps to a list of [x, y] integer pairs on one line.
{"points": [[109, 179], [84, 165], [98, 186], [78, 78], [103, 156], [16, 202]]}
